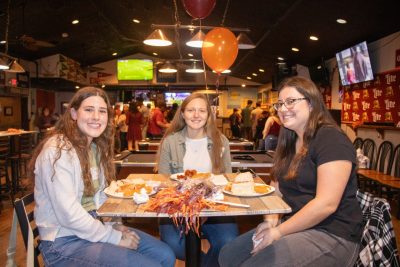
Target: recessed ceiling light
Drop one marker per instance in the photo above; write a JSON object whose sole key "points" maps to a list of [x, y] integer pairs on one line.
{"points": [[77, 87], [114, 54], [319, 67], [190, 54], [295, 49], [224, 72], [75, 21], [281, 58], [2, 41], [261, 70], [341, 21], [102, 86], [136, 20], [314, 38], [254, 74], [243, 85], [64, 35], [248, 78], [155, 54]]}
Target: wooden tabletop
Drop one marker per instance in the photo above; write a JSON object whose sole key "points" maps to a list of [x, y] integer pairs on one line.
{"points": [[6, 133], [267, 204], [377, 176]]}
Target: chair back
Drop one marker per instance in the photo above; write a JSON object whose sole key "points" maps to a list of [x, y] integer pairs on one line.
{"points": [[25, 219], [396, 162], [368, 148], [25, 145], [4, 156], [384, 158], [357, 143], [378, 245]]}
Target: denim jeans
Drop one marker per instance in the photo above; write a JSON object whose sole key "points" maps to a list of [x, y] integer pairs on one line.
{"points": [[270, 142], [218, 232], [309, 248], [73, 251]]}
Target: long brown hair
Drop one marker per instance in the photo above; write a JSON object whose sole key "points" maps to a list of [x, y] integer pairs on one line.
{"points": [[69, 137], [212, 132], [286, 161]]}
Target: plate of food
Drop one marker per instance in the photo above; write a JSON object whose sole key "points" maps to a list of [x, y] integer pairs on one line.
{"points": [[127, 187], [248, 189], [190, 174]]}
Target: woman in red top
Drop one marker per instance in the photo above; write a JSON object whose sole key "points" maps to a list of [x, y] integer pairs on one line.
{"points": [[135, 123], [271, 130]]}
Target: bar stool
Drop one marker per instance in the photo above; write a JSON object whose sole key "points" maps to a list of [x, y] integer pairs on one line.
{"points": [[5, 187], [20, 159]]}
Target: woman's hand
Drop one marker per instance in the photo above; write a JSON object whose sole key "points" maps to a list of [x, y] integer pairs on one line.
{"points": [[129, 238], [265, 234]]}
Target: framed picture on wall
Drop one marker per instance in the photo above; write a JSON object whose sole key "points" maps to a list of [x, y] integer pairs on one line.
{"points": [[8, 111]]}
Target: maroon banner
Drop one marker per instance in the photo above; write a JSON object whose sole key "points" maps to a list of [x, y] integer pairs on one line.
{"points": [[375, 101]]}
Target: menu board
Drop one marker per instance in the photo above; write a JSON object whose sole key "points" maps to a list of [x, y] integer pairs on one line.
{"points": [[375, 101]]}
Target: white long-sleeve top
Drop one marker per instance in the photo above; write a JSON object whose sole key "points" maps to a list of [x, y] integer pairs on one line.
{"points": [[58, 209]]}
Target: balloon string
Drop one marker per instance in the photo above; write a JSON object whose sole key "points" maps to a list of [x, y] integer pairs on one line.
{"points": [[177, 25], [204, 65], [226, 11]]}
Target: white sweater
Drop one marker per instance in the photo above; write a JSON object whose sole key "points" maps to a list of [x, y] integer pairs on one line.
{"points": [[58, 210]]}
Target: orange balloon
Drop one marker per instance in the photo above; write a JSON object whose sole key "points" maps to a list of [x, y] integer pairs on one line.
{"points": [[220, 49]]}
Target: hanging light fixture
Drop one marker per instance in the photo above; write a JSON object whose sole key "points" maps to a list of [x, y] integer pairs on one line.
{"points": [[4, 62], [15, 67], [244, 41], [194, 69], [167, 67], [157, 38], [197, 40]]}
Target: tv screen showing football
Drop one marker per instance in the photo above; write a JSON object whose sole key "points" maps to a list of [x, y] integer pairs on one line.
{"points": [[135, 69]]}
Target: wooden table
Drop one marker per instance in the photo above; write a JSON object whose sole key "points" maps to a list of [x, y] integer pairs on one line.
{"points": [[268, 204]]}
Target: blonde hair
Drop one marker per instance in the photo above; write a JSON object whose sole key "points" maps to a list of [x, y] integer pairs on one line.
{"points": [[178, 123]]}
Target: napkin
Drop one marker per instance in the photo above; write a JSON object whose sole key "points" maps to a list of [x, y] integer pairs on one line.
{"points": [[141, 198]]}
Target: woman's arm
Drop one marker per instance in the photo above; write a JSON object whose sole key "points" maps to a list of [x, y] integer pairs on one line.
{"points": [[267, 126], [226, 155], [332, 178]]}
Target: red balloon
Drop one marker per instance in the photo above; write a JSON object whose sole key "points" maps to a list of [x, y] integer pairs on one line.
{"points": [[220, 49], [199, 9]]}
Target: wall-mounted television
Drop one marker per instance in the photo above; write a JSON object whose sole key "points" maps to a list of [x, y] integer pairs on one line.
{"points": [[135, 69], [178, 97], [354, 64]]}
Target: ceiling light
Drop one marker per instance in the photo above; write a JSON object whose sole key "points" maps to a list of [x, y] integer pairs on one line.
{"points": [[261, 70], [314, 38], [136, 20], [243, 85], [102, 86], [196, 40], [281, 58], [2, 41], [341, 21], [244, 41], [75, 21], [254, 74], [319, 67], [64, 35], [190, 54], [194, 69], [115, 53], [4, 63], [295, 49], [167, 67], [157, 38], [77, 87], [155, 54], [248, 78], [224, 72]]}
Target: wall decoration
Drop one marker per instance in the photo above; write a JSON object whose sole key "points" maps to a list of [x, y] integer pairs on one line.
{"points": [[373, 102], [8, 111]]}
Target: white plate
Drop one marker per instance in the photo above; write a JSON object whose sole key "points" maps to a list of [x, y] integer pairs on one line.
{"points": [[111, 193], [175, 176], [271, 189]]}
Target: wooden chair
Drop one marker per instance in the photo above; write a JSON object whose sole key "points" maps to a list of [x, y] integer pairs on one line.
{"points": [[368, 148], [22, 156], [26, 223], [384, 158], [357, 143], [395, 171]]}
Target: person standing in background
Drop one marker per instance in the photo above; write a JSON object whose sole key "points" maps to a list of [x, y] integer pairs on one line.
{"points": [[235, 119], [172, 112], [246, 116], [146, 114], [123, 127], [271, 130], [117, 137], [134, 122], [157, 123], [255, 114], [258, 137]]}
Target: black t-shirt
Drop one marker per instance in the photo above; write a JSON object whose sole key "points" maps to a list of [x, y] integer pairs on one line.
{"points": [[329, 144]]}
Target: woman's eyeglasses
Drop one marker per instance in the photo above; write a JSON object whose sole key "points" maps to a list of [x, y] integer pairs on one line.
{"points": [[289, 103]]}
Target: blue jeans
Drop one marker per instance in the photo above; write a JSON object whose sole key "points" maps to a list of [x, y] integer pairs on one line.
{"points": [[74, 251], [270, 142], [218, 232], [307, 248]]}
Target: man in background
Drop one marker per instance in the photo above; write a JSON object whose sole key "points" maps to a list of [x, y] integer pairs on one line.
{"points": [[157, 122], [255, 115], [246, 116]]}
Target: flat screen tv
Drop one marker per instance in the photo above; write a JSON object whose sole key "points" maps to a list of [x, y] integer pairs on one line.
{"points": [[178, 98], [354, 64], [135, 69]]}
